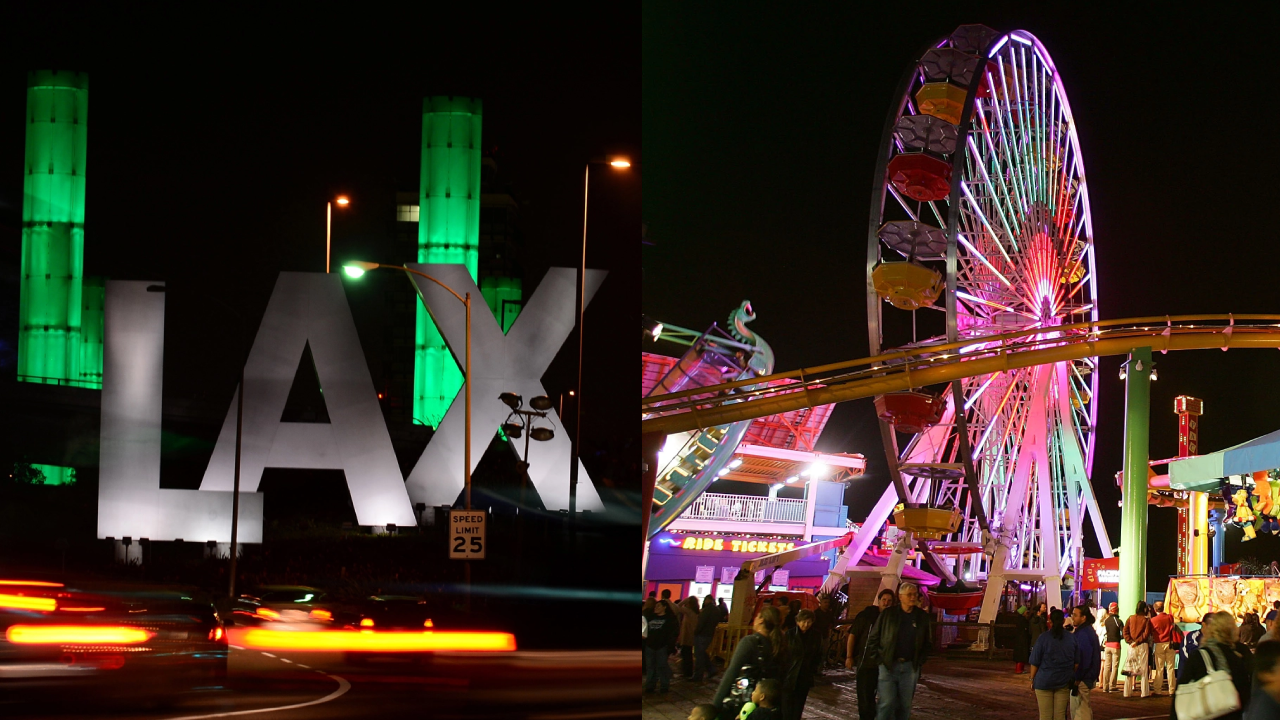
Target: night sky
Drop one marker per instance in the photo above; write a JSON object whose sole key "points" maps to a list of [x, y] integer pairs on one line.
{"points": [[761, 128], [216, 136]]}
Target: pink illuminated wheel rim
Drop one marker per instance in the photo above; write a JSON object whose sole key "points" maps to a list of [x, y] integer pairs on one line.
{"points": [[1014, 240]]}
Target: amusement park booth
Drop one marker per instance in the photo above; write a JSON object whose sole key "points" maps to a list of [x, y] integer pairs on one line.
{"points": [[701, 564]]}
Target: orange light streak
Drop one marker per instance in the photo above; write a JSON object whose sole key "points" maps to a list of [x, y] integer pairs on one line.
{"points": [[76, 635], [82, 609], [369, 641], [268, 613], [22, 602], [31, 583], [321, 614]]}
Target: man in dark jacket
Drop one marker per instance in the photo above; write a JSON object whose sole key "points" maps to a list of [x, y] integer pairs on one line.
{"points": [[804, 648], [1088, 661], [899, 644], [868, 674], [824, 618], [704, 632]]}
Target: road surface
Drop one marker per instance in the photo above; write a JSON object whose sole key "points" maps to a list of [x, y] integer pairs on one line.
{"points": [[540, 685]]}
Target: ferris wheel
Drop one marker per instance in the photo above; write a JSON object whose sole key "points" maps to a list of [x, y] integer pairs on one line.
{"points": [[980, 226]]}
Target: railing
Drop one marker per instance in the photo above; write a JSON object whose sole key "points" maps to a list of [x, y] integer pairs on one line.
{"points": [[745, 508]]}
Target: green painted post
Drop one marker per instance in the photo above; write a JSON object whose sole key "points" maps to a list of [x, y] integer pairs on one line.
{"points": [[448, 232], [1133, 523]]}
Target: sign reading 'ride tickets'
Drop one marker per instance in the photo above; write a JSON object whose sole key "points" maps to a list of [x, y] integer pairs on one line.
{"points": [[466, 534]]}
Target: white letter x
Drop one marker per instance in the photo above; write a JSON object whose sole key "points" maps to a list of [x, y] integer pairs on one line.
{"points": [[500, 363]]}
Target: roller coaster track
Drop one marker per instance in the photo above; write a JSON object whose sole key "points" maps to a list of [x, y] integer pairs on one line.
{"points": [[925, 365]]}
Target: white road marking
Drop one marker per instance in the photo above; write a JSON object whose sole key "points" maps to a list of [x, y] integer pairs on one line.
{"points": [[285, 660], [304, 666], [235, 647], [343, 687], [268, 654]]}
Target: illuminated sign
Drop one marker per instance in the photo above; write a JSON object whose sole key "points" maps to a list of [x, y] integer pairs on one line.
{"points": [[764, 547], [1101, 574]]}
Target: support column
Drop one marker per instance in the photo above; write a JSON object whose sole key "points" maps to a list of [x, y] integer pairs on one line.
{"points": [[891, 575], [448, 232], [1133, 527], [1219, 540], [52, 266]]}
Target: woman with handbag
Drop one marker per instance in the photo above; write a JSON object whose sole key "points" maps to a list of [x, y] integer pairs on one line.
{"points": [[1053, 663], [1137, 631], [754, 658], [1218, 643]]}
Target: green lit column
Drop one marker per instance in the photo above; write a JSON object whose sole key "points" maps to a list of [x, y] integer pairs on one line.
{"points": [[1133, 522], [50, 307], [504, 296], [448, 232]]}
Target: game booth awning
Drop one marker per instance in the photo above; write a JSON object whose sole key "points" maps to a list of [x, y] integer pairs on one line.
{"points": [[1204, 473]]}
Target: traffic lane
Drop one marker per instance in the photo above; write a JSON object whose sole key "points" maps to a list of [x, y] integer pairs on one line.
{"points": [[544, 684], [258, 685], [548, 685]]}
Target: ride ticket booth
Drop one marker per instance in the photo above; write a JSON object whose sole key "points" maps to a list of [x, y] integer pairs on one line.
{"points": [[701, 564]]}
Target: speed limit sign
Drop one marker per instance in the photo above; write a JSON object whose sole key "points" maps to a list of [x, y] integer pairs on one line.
{"points": [[466, 534]]}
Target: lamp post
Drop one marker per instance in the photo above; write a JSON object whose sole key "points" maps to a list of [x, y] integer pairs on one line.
{"points": [[356, 269], [342, 201], [618, 163], [235, 482]]}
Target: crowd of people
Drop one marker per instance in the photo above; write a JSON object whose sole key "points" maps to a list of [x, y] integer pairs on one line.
{"points": [[1070, 655], [773, 668], [1069, 661]]}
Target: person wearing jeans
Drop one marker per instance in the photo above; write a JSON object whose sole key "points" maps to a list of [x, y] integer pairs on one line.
{"points": [[664, 630], [898, 645]]}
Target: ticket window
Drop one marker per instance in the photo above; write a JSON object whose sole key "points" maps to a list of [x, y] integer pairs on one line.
{"points": [[724, 591], [699, 590]]}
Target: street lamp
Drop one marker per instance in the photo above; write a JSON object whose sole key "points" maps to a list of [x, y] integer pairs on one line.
{"points": [[246, 330], [617, 163], [541, 405], [342, 201], [356, 269]]}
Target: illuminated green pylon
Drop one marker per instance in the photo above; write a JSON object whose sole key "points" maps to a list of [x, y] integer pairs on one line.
{"points": [[448, 232], [50, 308]]}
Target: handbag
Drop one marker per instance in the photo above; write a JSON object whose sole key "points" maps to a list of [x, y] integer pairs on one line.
{"points": [[1212, 696], [1131, 667]]}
